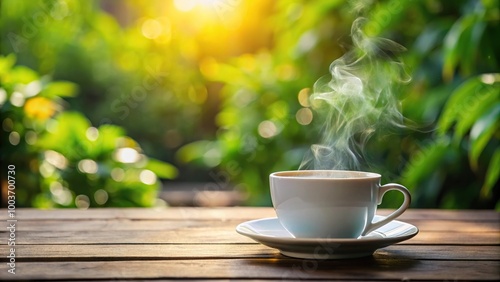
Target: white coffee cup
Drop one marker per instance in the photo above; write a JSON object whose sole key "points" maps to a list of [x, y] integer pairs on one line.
{"points": [[331, 203]]}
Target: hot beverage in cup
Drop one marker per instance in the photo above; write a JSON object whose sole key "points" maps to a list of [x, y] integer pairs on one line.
{"points": [[331, 203]]}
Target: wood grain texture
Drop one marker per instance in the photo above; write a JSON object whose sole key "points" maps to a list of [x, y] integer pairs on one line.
{"points": [[214, 235], [168, 224], [165, 252], [285, 269], [201, 243], [243, 213]]}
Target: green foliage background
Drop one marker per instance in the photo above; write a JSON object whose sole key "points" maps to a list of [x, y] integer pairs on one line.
{"points": [[222, 89]]}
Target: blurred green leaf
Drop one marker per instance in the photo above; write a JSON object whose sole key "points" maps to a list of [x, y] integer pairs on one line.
{"points": [[6, 63], [194, 152], [482, 132], [67, 135], [21, 75], [384, 15], [108, 136], [492, 174], [425, 163], [460, 43], [162, 169], [458, 103], [59, 89], [486, 98], [468, 57]]}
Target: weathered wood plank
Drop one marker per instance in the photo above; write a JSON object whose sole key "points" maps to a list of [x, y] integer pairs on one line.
{"points": [[130, 224], [173, 213], [202, 243], [243, 213], [373, 269], [172, 251], [214, 235], [116, 224]]}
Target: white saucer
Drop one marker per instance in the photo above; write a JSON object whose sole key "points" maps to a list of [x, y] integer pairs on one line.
{"points": [[271, 233]]}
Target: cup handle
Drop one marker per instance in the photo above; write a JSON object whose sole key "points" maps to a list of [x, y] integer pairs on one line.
{"points": [[406, 203]]}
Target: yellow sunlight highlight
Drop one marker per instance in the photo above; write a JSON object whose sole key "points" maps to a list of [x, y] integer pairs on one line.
{"points": [[40, 108], [188, 5], [151, 29], [184, 5]]}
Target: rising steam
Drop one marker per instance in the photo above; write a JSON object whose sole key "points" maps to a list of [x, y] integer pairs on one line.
{"points": [[356, 101]]}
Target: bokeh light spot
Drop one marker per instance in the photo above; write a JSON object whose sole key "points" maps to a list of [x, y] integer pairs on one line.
{"points": [[147, 177], [32, 89], [14, 138], [7, 125], [46, 169], [56, 187], [127, 155], [184, 5], [87, 166], [40, 108], [117, 174], [212, 157], [31, 137], [3, 96], [60, 194], [304, 116], [92, 133], [56, 159], [101, 197], [304, 97], [82, 202], [267, 129], [17, 99], [151, 29], [488, 78]]}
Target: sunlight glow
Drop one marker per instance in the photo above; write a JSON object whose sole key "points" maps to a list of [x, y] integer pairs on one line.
{"points": [[60, 194], [87, 166], [82, 202], [92, 133], [184, 5], [490, 78], [46, 169], [31, 137], [212, 157], [32, 89], [147, 177], [117, 174], [56, 159], [127, 155], [151, 29], [304, 97], [7, 125], [14, 138], [17, 99], [268, 129], [209, 3], [304, 116], [101, 197], [3, 96]]}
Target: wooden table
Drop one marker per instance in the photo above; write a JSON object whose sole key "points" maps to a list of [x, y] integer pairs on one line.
{"points": [[201, 243]]}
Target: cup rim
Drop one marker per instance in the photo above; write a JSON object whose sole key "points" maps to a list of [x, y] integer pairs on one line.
{"points": [[292, 174]]}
